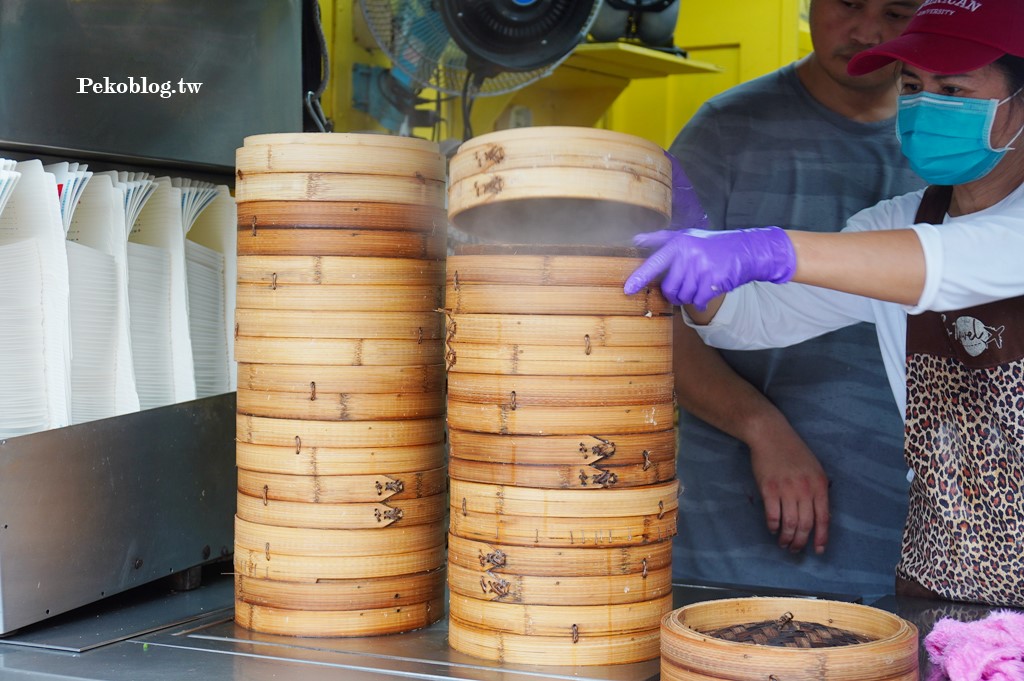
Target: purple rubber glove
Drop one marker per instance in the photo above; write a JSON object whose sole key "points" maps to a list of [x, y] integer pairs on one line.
{"points": [[699, 265], [686, 209]]}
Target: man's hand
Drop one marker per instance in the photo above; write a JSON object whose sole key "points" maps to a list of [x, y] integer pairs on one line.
{"points": [[794, 489]]}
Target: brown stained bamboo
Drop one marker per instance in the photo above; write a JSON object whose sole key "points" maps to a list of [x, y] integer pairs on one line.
{"points": [[427, 325], [354, 158], [340, 187], [357, 215], [319, 405], [541, 270], [560, 620], [338, 270], [578, 449], [342, 489], [264, 564], [540, 420], [506, 500], [341, 594], [553, 300], [528, 329], [394, 299], [580, 391], [560, 477], [423, 245], [325, 623], [338, 351], [553, 360], [575, 561], [300, 541], [356, 516], [891, 654], [490, 188], [547, 531], [499, 646], [571, 591], [298, 378], [565, 147], [299, 434], [335, 461]]}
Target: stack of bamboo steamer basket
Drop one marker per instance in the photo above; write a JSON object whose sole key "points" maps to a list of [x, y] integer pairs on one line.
{"points": [[340, 526], [560, 404], [793, 639]]}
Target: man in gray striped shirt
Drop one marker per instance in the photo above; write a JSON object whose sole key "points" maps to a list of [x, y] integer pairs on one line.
{"points": [[763, 434]]}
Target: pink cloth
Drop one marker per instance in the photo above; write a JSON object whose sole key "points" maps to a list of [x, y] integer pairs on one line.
{"points": [[991, 649]]}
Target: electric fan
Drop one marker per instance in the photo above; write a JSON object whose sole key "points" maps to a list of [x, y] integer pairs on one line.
{"points": [[467, 48]]}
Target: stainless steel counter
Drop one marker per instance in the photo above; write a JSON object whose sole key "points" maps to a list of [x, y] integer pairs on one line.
{"points": [[152, 633]]}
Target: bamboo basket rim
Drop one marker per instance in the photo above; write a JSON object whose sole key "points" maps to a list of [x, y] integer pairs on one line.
{"points": [[422, 245], [342, 594], [367, 488], [306, 569], [333, 215], [339, 187], [277, 157], [582, 133], [353, 434], [339, 461], [578, 476], [323, 405], [338, 270], [562, 532], [356, 515], [506, 500], [370, 622], [572, 448], [337, 543], [368, 139]]}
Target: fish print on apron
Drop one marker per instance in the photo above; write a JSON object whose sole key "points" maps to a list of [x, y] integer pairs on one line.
{"points": [[964, 537]]}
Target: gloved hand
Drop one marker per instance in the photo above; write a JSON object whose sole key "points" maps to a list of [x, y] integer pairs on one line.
{"points": [[686, 209], [700, 265]]}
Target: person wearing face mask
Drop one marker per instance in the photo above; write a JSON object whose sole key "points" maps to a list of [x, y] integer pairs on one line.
{"points": [[940, 272]]}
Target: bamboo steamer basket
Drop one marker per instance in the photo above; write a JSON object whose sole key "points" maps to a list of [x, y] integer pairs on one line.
{"points": [[595, 331], [353, 516], [342, 594], [503, 647], [339, 324], [578, 391], [323, 623], [559, 185], [323, 406], [298, 378], [553, 300], [264, 563], [381, 243], [689, 655], [335, 461], [338, 351], [342, 489], [257, 216], [562, 591], [297, 433], [576, 449], [395, 299], [343, 187], [370, 543], [548, 265], [527, 420], [576, 561], [592, 504], [338, 270], [560, 477], [556, 360]]}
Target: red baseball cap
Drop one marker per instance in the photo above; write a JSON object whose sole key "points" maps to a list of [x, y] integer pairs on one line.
{"points": [[951, 36]]}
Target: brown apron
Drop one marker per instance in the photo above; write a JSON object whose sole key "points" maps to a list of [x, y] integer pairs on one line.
{"points": [[964, 537]]}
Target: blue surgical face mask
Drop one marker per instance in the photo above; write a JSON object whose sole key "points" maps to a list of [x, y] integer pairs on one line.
{"points": [[948, 139]]}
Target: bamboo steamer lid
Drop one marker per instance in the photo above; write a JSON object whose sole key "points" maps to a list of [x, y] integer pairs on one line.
{"points": [[424, 245], [602, 503], [563, 591], [326, 543], [353, 516], [296, 433], [335, 461], [577, 449], [542, 420], [303, 378], [324, 623], [339, 489], [559, 185], [500, 646], [338, 270], [264, 563], [560, 477], [556, 360], [338, 351], [597, 331], [342, 594], [335, 324], [394, 299], [688, 654], [576, 561], [558, 620], [324, 406], [358, 153], [353, 215], [562, 532]]}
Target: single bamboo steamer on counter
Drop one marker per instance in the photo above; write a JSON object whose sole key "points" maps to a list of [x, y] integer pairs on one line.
{"points": [[559, 185], [342, 485], [751, 639]]}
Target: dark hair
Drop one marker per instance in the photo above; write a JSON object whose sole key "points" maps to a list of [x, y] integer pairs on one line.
{"points": [[1013, 68]]}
